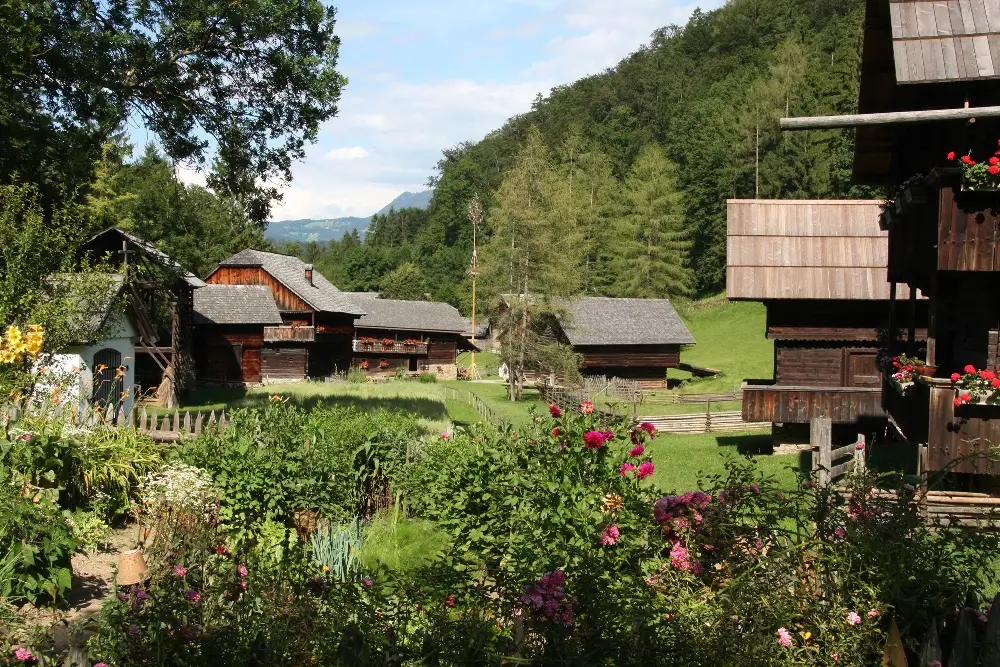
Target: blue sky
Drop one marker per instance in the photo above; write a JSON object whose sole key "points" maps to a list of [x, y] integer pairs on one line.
{"points": [[425, 75]]}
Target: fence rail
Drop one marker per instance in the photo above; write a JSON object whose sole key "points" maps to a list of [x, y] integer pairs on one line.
{"points": [[704, 422]]}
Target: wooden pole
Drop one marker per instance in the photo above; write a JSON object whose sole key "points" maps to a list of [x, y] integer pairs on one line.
{"points": [[821, 439], [892, 118], [911, 334], [891, 343]]}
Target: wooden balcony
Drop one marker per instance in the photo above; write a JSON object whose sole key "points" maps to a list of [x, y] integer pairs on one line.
{"points": [[288, 334], [927, 415], [779, 404], [396, 347]]}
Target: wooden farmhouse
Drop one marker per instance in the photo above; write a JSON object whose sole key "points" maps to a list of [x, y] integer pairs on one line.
{"points": [[412, 336], [229, 324], [634, 339], [314, 335], [929, 87], [820, 269]]}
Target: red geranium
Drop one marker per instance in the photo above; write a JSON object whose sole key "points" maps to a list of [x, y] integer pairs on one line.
{"points": [[995, 160], [993, 170], [951, 155], [955, 377], [967, 159], [969, 368]]}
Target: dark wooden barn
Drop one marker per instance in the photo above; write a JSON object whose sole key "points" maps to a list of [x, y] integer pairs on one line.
{"points": [[314, 336], [415, 336], [634, 339], [819, 267], [229, 327], [930, 90]]}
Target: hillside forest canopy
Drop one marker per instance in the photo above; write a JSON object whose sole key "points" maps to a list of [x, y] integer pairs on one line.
{"points": [[633, 165]]}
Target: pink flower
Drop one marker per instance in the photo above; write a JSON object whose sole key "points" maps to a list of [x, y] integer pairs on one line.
{"points": [[680, 558], [367, 582], [807, 485], [853, 619], [648, 428], [24, 655], [626, 468], [860, 446], [594, 439], [587, 408], [444, 436], [784, 637], [840, 532], [610, 535], [645, 469], [242, 569], [636, 451], [100, 664], [835, 657], [192, 596], [555, 411], [872, 613], [181, 572], [450, 602]]}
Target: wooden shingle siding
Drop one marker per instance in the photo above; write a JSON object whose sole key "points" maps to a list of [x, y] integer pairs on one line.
{"points": [[286, 300], [945, 40]]}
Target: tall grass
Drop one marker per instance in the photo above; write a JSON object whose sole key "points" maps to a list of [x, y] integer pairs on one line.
{"points": [[400, 544]]}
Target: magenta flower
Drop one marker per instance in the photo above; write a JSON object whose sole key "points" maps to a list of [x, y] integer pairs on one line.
{"points": [[610, 535], [181, 572], [242, 569], [807, 485], [367, 582], [648, 428], [587, 408], [450, 601], [853, 619], [840, 532], [444, 436], [24, 655], [594, 439], [636, 451], [192, 596], [784, 637], [860, 446], [555, 411], [646, 469], [680, 558], [626, 468]]}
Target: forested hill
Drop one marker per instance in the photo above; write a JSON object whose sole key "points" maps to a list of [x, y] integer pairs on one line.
{"points": [[708, 94]]}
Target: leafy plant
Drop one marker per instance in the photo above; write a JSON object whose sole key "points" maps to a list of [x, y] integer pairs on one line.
{"points": [[89, 531], [427, 378], [336, 548]]}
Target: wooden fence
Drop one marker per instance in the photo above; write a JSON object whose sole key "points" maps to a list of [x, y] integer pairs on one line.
{"points": [[967, 643], [162, 427], [704, 422]]}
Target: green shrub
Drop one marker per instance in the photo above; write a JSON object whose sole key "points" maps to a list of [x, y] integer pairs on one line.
{"points": [[357, 376], [88, 530], [400, 544], [427, 378], [335, 549]]}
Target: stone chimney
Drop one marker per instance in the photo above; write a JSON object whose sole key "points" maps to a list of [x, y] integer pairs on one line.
{"points": [[309, 274]]}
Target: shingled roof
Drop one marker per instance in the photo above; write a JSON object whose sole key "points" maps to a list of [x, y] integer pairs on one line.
{"points": [[609, 321], [321, 295], [945, 40], [408, 315], [235, 304]]}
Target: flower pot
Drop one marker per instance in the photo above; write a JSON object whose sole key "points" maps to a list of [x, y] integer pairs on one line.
{"points": [[926, 370], [132, 568]]}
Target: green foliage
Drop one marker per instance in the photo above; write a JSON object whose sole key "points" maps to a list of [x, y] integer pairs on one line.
{"points": [[250, 82], [336, 549], [427, 378], [36, 543], [406, 282], [357, 376], [89, 531], [396, 543], [270, 463]]}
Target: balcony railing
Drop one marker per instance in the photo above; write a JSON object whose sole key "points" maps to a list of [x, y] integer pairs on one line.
{"points": [[394, 347], [286, 334], [790, 404]]}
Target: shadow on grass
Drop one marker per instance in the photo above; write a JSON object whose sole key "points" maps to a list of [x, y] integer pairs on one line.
{"points": [[756, 444], [426, 408]]}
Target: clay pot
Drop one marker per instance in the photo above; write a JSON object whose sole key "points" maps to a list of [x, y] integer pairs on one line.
{"points": [[132, 568], [926, 370]]}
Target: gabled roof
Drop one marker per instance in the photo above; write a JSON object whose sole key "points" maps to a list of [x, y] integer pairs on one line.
{"points": [[321, 295], [93, 299], [235, 304], [806, 249], [409, 315], [155, 253], [610, 321]]}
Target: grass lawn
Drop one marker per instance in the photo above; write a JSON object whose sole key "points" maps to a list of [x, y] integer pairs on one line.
{"points": [[731, 337], [427, 401], [487, 363], [494, 394], [681, 459]]}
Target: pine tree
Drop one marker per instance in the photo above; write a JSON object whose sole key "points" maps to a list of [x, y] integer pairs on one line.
{"points": [[655, 261]]}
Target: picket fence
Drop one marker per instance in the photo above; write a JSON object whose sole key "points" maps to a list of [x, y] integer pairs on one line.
{"points": [[160, 426], [967, 643]]}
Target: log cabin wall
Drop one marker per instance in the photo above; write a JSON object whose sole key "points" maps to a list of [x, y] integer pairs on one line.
{"points": [[229, 353], [629, 356], [287, 301], [441, 350], [284, 363]]}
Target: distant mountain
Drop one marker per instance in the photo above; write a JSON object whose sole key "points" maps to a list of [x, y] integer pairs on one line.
{"points": [[334, 228], [409, 200]]}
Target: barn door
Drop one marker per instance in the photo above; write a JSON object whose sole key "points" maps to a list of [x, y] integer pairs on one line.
{"points": [[109, 383], [862, 370]]}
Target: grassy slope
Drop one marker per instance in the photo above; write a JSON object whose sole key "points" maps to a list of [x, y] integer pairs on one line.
{"points": [[731, 337], [681, 459]]}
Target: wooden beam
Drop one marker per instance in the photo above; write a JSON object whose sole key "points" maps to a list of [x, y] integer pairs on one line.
{"points": [[891, 118]]}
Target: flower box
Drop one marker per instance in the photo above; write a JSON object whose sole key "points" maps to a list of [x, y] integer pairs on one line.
{"points": [[976, 387]]}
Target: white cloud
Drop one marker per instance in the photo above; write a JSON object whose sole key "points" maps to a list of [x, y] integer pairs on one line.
{"points": [[351, 153], [189, 175]]}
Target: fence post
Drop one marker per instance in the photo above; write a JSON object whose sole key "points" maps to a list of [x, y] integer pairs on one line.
{"points": [[821, 439], [859, 454]]}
